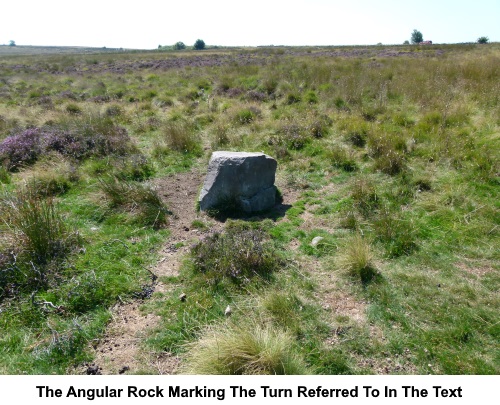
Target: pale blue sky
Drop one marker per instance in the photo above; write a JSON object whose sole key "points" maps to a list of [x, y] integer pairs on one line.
{"points": [[146, 24]]}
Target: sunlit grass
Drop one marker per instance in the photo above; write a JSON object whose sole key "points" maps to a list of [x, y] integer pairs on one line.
{"points": [[391, 160]]}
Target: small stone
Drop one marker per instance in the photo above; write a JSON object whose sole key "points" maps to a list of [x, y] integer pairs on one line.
{"points": [[182, 297], [93, 370], [123, 369], [316, 241]]}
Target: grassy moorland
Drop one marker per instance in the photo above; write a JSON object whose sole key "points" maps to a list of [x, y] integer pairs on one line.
{"points": [[390, 154]]}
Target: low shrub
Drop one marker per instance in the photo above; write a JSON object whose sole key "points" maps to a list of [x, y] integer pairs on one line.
{"points": [[114, 111], [21, 149], [255, 95], [293, 136], [77, 143], [82, 145], [239, 254], [318, 128]]}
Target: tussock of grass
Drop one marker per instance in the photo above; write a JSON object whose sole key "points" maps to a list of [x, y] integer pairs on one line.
{"points": [[49, 184], [364, 195], [357, 259], [342, 158], [180, 136], [397, 233], [140, 200], [37, 242], [38, 225], [243, 349]]}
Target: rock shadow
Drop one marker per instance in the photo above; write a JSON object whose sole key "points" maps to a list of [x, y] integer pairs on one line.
{"points": [[275, 214]]}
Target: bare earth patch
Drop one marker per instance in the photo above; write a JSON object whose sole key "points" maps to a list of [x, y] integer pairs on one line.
{"points": [[312, 222], [121, 351], [478, 270]]}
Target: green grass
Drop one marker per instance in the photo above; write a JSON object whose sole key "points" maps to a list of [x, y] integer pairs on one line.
{"points": [[392, 161]]}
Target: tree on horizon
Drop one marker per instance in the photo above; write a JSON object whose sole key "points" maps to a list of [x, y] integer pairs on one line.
{"points": [[199, 44], [416, 37]]}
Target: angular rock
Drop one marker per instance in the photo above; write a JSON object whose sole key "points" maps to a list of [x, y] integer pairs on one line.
{"points": [[244, 179]]}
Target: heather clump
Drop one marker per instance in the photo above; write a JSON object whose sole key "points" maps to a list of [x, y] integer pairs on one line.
{"points": [[238, 254], [80, 145], [20, 149], [26, 147], [256, 95]]}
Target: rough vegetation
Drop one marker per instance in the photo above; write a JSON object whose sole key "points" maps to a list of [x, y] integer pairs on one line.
{"points": [[387, 159]]}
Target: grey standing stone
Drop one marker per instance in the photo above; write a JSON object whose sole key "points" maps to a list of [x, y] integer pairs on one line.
{"points": [[243, 178]]}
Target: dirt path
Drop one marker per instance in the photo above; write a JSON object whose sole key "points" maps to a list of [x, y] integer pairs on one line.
{"points": [[121, 350]]}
